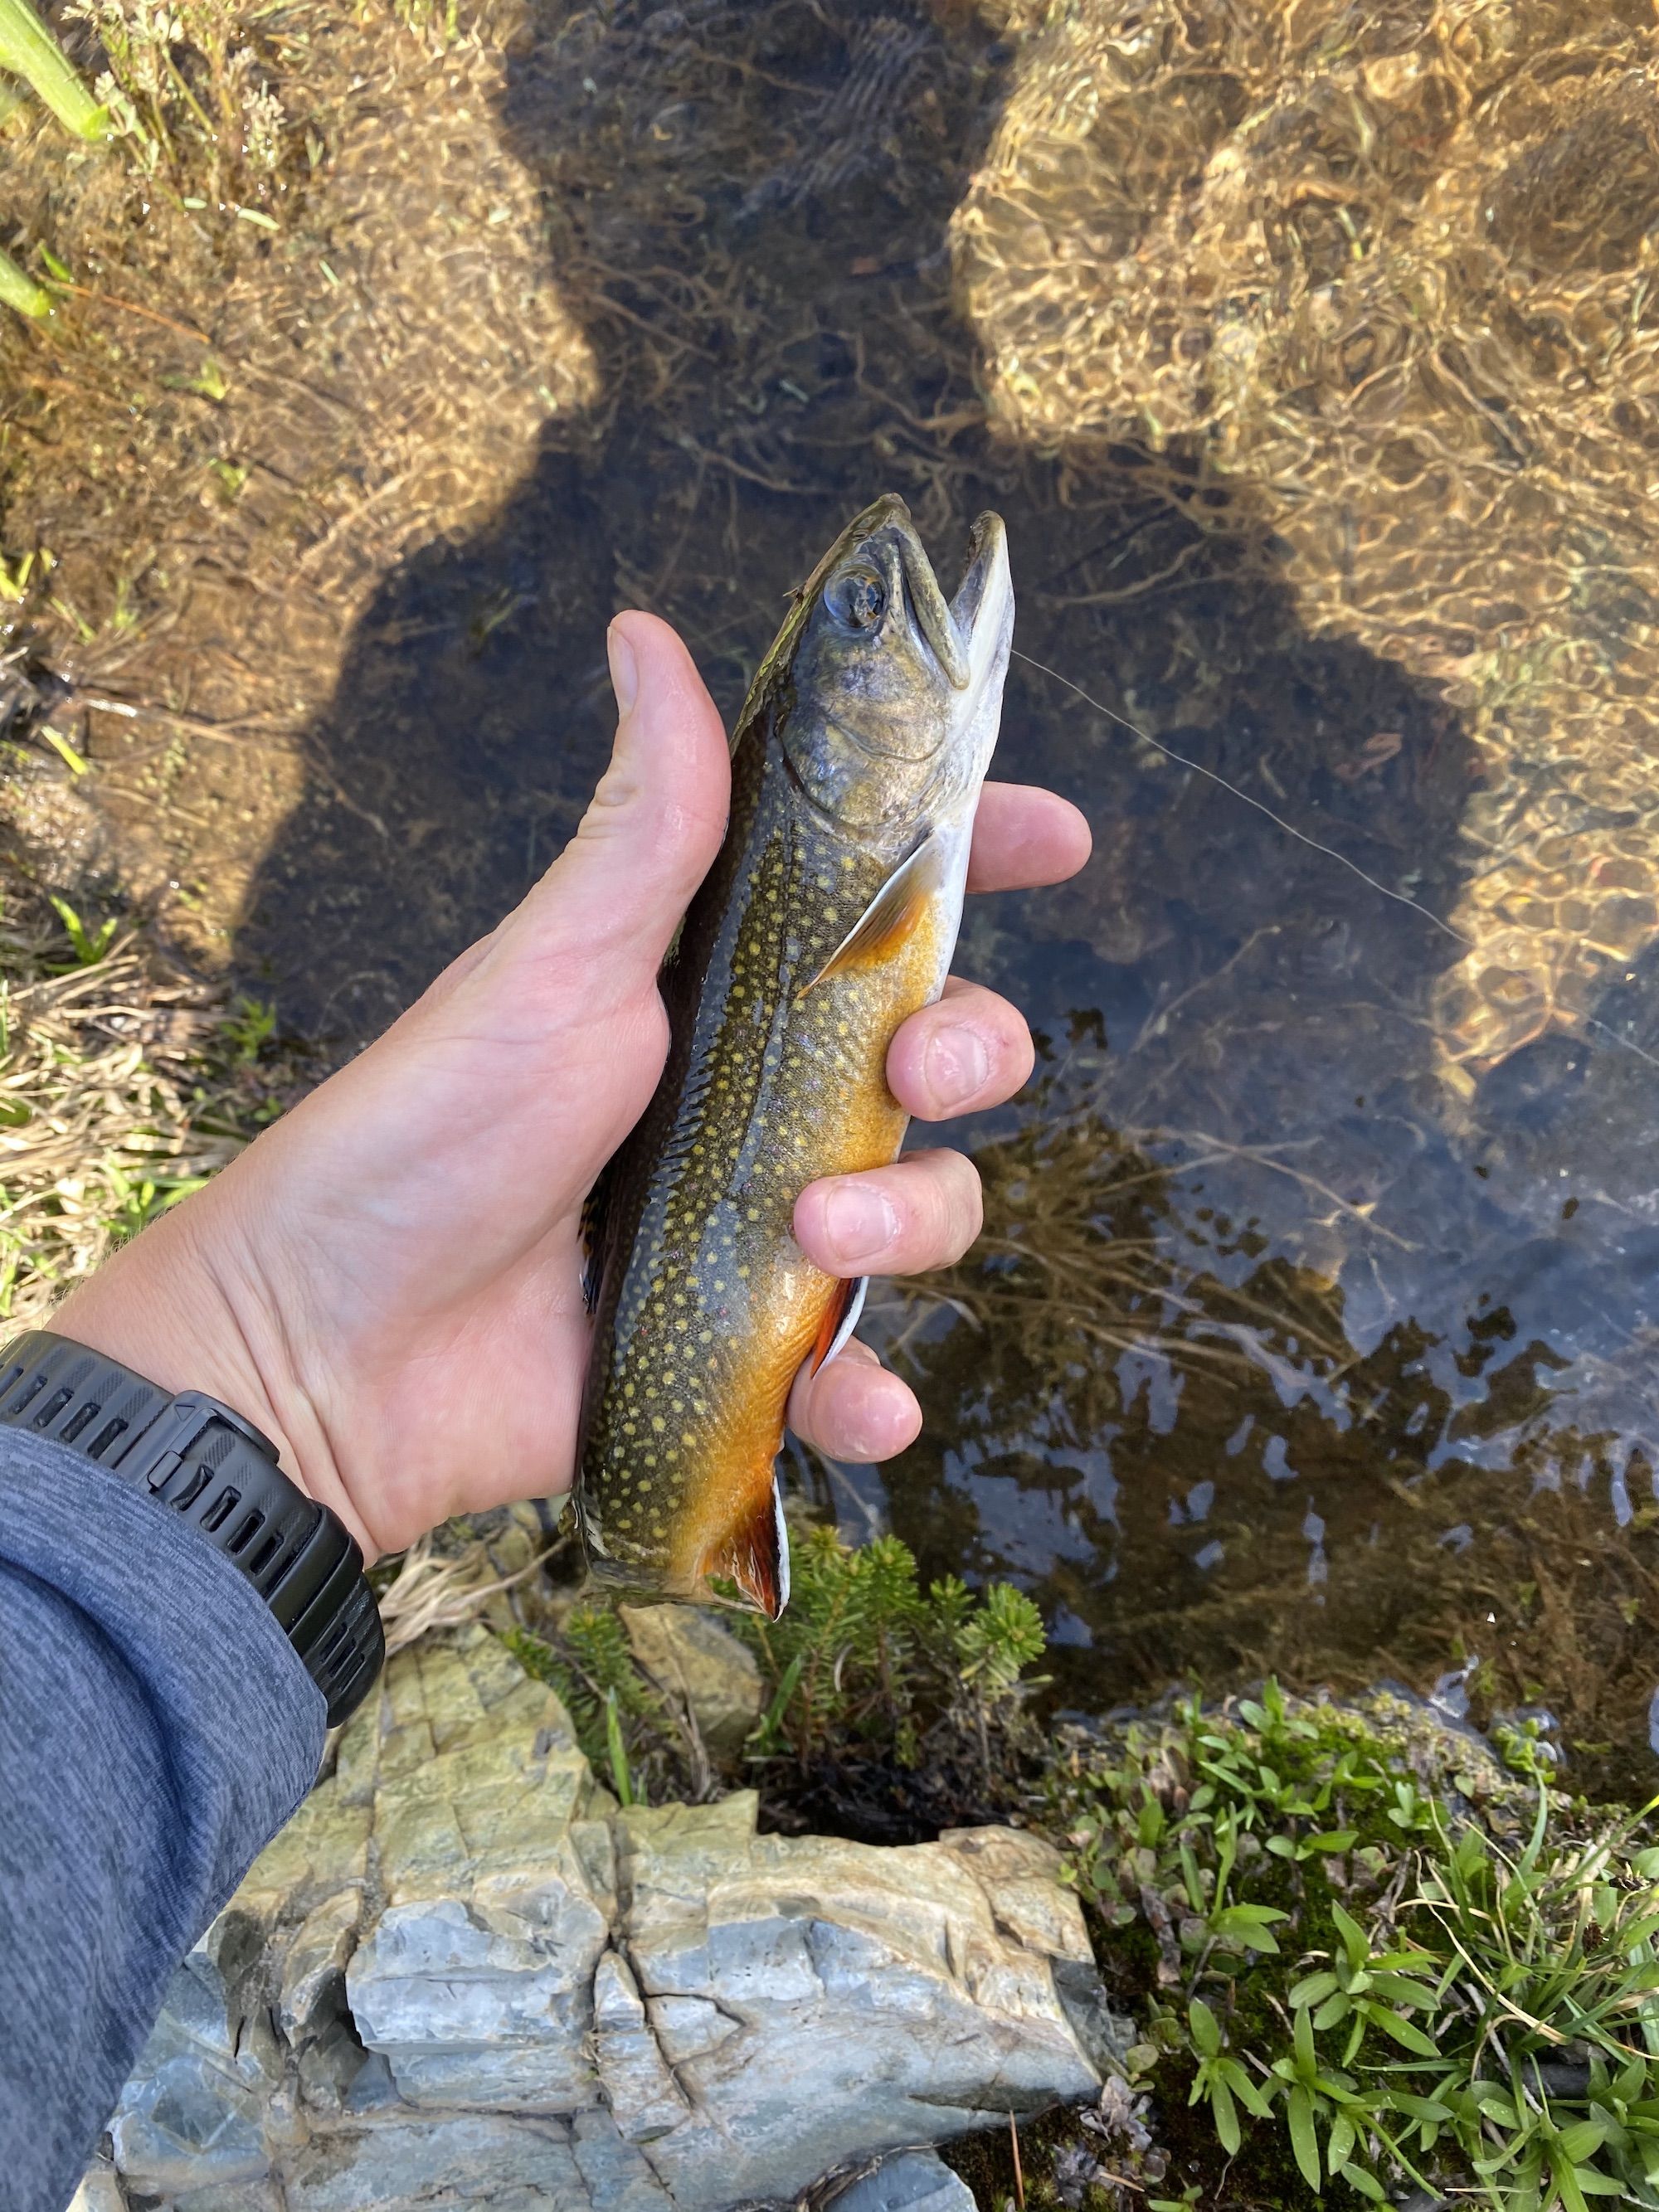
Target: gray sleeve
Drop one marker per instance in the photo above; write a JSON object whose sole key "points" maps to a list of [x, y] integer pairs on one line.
{"points": [[157, 1728]]}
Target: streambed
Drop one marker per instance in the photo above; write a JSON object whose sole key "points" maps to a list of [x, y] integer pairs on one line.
{"points": [[1310, 360]]}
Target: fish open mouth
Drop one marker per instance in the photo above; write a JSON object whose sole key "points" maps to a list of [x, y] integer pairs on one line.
{"points": [[983, 605], [965, 634]]}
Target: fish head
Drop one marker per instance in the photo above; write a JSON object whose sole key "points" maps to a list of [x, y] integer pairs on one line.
{"points": [[893, 693]]}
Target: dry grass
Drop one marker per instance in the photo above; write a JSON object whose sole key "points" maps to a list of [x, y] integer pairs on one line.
{"points": [[114, 1099], [436, 1586]]}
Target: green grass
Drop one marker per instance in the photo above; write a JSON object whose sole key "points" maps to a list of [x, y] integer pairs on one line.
{"points": [[866, 1676], [1364, 1969], [865, 1655]]}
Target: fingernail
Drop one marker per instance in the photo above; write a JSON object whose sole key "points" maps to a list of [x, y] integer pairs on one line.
{"points": [[859, 1221], [956, 1065], [624, 669]]}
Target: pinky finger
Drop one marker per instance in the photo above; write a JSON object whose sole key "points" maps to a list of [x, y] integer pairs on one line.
{"points": [[853, 1409]]}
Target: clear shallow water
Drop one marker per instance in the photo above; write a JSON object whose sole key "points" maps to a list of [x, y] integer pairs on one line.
{"points": [[1313, 1325]]}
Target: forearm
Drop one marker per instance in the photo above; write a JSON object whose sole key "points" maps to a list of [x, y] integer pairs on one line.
{"points": [[155, 1729]]}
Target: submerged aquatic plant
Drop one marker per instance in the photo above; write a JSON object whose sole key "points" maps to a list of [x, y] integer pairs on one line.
{"points": [[28, 50], [188, 92], [19, 290], [1405, 1971]]}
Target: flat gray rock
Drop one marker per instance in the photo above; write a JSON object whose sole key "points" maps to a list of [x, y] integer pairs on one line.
{"points": [[464, 1975]]}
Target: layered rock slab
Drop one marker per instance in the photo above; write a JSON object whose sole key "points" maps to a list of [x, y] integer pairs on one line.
{"points": [[463, 1975]]}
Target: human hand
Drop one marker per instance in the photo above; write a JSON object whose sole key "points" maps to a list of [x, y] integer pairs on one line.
{"points": [[387, 1282]]}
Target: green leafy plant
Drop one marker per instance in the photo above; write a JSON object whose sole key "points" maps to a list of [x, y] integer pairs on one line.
{"points": [[1448, 1980], [249, 1027], [621, 1722], [89, 945], [864, 1655], [1219, 2080]]}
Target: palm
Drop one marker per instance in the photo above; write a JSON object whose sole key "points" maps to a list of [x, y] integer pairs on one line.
{"points": [[389, 1281]]}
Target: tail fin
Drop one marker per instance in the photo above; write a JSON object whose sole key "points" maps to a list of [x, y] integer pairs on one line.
{"points": [[755, 1555]]}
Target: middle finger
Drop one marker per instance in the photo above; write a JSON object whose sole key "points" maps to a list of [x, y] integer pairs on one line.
{"points": [[968, 1049], [923, 1211]]}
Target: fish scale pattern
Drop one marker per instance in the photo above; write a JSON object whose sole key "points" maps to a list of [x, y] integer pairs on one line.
{"points": [[772, 1084]]}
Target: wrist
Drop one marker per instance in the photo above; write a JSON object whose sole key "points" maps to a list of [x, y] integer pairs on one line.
{"points": [[180, 1306]]}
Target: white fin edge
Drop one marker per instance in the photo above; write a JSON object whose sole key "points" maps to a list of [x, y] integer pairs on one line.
{"points": [[849, 1322], [783, 1544]]}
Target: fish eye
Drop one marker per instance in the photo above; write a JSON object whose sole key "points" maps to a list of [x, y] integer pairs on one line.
{"points": [[858, 597]]}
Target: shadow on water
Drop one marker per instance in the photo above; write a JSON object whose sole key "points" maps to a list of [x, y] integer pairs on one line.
{"points": [[1279, 1350]]}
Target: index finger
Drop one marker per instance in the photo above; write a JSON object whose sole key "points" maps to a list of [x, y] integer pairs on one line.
{"points": [[1024, 836]]}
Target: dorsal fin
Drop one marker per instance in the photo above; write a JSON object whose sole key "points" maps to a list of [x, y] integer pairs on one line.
{"points": [[896, 910], [755, 1555]]}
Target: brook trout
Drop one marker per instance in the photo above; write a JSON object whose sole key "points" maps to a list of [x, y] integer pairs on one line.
{"points": [[830, 916]]}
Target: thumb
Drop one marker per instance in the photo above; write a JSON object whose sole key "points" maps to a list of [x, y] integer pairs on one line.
{"points": [[654, 825]]}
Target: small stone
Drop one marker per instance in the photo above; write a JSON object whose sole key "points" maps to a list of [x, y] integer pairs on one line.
{"points": [[909, 2181], [693, 1657]]}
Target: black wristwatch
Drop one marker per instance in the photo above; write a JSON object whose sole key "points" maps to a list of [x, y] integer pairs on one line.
{"points": [[207, 1464]]}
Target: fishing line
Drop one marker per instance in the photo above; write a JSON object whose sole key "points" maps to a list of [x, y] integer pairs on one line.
{"points": [[1197, 768], [1400, 898]]}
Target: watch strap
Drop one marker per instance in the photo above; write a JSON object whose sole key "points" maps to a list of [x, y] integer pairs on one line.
{"points": [[203, 1462]]}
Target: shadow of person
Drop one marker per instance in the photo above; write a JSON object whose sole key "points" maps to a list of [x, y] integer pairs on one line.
{"points": [[748, 211]]}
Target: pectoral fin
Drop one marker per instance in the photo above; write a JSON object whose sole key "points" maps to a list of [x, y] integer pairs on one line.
{"points": [[897, 909], [755, 1557]]}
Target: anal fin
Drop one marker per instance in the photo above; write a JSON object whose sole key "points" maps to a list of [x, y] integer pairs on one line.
{"points": [[755, 1555]]}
